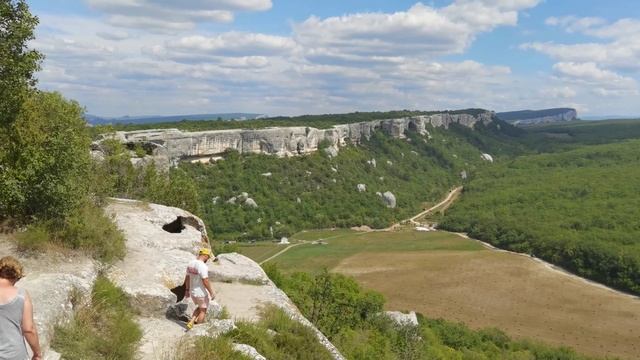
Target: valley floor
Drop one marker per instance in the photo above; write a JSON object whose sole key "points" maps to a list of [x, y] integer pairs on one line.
{"points": [[443, 275]]}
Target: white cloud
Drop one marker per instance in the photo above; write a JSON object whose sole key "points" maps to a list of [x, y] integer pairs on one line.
{"points": [[621, 52], [421, 31], [233, 43], [364, 61], [573, 24], [165, 15], [589, 75]]}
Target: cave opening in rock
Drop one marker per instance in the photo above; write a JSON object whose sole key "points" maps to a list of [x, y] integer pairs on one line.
{"points": [[174, 227]]}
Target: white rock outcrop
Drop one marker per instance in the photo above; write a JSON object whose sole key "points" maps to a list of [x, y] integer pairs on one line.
{"points": [[251, 203], [241, 286], [389, 199], [403, 319], [487, 157], [249, 351], [173, 145], [361, 187]]}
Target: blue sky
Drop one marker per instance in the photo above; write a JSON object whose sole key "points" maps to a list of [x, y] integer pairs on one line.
{"points": [[119, 57]]}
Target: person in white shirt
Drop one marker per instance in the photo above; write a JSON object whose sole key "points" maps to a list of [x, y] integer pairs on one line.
{"points": [[197, 286]]}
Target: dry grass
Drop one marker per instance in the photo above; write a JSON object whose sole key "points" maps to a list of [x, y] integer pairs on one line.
{"points": [[511, 292]]}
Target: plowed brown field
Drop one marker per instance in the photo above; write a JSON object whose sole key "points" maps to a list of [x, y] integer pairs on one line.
{"points": [[511, 292]]}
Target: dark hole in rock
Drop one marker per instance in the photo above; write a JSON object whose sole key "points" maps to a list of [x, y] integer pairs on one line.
{"points": [[174, 227]]}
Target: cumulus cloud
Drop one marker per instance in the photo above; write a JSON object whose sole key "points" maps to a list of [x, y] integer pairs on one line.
{"points": [[422, 30], [621, 52], [589, 73]]}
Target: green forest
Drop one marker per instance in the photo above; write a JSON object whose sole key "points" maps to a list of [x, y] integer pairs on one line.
{"points": [[579, 209]]}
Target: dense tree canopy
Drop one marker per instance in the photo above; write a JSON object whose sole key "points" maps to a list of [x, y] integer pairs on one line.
{"points": [[17, 61]]}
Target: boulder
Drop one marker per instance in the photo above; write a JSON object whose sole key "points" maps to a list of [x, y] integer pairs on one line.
{"points": [[331, 151], [403, 319], [234, 267], [267, 174], [232, 200], [389, 199], [463, 175], [243, 197], [372, 162], [487, 157], [249, 351], [362, 187], [251, 203]]}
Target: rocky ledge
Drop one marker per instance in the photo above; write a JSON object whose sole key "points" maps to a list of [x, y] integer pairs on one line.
{"points": [[169, 146]]}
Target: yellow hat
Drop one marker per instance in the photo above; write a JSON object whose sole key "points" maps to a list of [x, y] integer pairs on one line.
{"points": [[205, 251]]}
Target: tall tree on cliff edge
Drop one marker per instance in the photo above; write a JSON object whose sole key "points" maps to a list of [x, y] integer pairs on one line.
{"points": [[17, 62]]}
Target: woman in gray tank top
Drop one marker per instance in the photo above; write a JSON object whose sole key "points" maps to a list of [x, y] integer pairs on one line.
{"points": [[16, 315]]}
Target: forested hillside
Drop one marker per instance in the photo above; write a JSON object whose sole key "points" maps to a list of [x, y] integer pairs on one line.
{"points": [[317, 191], [579, 209]]}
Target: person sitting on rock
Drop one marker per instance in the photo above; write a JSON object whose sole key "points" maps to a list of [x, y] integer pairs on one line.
{"points": [[197, 285], [16, 315]]}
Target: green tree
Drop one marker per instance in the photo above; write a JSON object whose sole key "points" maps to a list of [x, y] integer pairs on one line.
{"points": [[17, 61], [45, 168]]}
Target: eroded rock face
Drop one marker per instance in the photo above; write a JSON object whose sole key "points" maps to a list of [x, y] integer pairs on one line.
{"points": [[176, 145]]}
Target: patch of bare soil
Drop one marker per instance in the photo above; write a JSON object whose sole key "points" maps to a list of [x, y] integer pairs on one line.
{"points": [[514, 293]]}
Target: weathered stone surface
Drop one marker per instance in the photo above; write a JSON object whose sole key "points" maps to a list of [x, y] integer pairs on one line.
{"points": [[331, 151], [249, 351], [240, 284], [155, 258], [362, 187], [403, 319], [487, 157], [50, 281], [175, 145], [251, 203], [463, 175], [237, 268], [389, 199]]}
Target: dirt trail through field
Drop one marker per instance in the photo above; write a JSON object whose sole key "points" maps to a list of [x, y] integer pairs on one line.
{"points": [[446, 202]]}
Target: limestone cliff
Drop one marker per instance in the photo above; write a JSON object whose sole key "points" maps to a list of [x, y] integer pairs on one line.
{"points": [[173, 145], [532, 117]]}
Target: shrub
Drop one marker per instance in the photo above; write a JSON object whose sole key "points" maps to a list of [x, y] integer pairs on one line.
{"points": [[103, 329], [291, 341], [86, 228]]}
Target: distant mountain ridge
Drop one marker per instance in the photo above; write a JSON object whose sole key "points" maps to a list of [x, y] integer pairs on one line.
{"points": [[150, 119], [532, 117]]}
